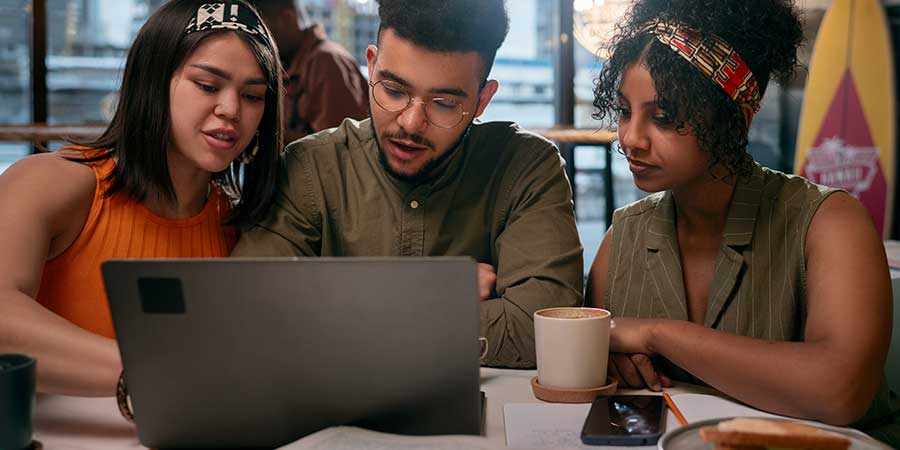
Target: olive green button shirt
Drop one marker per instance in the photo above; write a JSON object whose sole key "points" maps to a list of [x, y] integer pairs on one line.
{"points": [[503, 199]]}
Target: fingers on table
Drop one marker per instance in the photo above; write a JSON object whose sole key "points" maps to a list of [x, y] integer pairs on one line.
{"points": [[627, 372], [645, 368], [636, 371]]}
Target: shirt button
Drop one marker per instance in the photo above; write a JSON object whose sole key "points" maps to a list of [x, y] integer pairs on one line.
{"points": [[413, 204]]}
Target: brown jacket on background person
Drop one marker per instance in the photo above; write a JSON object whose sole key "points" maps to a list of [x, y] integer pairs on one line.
{"points": [[324, 86], [323, 83]]}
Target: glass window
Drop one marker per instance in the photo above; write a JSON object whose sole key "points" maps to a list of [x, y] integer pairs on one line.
{"points": [[15, 62], [590, 211], [15, 74], [524, 66], [11, 152], [86, 47], [592, 22], [590, 195], [764, 138], [592, 25], [351, 23]]}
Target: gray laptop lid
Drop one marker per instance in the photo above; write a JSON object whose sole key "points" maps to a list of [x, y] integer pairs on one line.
{"points": [[259, 352]]}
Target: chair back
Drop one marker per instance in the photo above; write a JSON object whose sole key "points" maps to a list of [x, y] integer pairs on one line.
{"points": [[892, 366]]}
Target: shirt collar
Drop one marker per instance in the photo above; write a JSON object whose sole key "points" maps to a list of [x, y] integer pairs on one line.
{"points": [[739, 225], [662, 222], [743, 209]]}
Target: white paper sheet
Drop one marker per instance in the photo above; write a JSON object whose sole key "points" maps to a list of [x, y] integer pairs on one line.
{"points": [[540, 426], [352, 438], [697, 407]]}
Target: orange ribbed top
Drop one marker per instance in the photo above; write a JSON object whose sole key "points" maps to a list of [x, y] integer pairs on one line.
{"points": [[121, 227]]}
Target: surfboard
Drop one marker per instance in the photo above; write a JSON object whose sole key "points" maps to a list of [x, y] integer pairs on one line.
{"points": [[847, 134]]}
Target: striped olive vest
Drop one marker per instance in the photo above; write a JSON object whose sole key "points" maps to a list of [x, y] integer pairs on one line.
{"points": [[759, 285]]}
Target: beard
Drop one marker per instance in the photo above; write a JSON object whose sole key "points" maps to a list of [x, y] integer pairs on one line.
{"points": [[430, 169]]}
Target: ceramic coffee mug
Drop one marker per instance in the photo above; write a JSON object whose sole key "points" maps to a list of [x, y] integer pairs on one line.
{"points": [[17, 383], [572, 346]]}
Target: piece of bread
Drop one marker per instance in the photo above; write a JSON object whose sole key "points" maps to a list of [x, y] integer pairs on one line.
{"points": [[744, 432], [739, 447]]}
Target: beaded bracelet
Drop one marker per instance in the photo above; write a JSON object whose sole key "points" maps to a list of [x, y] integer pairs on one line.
{"points": [[122, 399]]}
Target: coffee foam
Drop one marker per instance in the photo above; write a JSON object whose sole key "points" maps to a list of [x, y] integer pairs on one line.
{"points": [[573, 313]]}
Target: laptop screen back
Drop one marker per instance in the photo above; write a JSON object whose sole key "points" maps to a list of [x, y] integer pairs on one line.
{"points": [[260, 352]]}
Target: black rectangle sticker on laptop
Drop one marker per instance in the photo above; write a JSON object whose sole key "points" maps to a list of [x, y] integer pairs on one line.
{"points": [[161, 295]]}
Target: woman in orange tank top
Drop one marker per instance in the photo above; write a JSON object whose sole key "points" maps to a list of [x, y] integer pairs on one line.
{"points": [[190, 154]]}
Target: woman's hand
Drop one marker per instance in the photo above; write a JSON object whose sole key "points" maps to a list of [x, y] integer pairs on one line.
{"points": [[630, 335], [630, 347], [636, 371]]}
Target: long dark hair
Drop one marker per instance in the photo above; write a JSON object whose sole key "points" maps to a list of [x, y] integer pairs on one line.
{"points": [[140, 130]]}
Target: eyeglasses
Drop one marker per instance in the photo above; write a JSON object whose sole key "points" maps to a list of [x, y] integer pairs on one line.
{"points": [[439, 111]]}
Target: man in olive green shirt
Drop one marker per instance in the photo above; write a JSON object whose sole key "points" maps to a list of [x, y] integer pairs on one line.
{"points": [[423, 178]]}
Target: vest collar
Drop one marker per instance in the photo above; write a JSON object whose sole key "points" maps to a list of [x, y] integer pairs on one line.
{"points": [[739, 225]]}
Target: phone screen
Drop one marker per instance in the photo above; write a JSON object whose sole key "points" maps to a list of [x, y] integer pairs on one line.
{"points": [[625, 420]]}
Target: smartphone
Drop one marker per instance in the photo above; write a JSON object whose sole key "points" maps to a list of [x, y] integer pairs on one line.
{"points": [[627, 420]]}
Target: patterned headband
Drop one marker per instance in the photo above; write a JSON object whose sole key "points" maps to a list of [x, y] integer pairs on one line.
{"points": [[228, 14], [715, 58]]}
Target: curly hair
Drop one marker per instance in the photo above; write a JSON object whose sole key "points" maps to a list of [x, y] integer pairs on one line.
{"points": [[766, 34], [448, 26]]}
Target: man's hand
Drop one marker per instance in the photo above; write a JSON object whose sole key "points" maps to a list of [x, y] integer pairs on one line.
{"points": [[636, 371], [487, 281]]}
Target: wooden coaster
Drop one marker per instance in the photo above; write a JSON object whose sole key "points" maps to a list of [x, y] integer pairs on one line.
{"points": [[560, 395]]}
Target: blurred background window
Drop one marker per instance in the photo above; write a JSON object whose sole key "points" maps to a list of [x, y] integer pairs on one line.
{"points": [[87, 41], [524, 66], [15, 78]]}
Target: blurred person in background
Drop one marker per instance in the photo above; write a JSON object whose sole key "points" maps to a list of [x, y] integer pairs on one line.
{"points": [[323, 84]]}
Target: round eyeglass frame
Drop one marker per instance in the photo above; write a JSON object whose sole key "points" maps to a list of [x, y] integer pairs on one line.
{"points": [[409, 101]]}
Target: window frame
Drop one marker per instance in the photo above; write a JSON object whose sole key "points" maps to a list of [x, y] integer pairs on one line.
{"points": [[39, 90]]}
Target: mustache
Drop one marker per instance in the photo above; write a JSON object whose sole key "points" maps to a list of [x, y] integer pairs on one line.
{"points": [[417, 139]]}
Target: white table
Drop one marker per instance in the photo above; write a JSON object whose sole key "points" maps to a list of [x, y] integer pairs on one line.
{"points": [[74, 423], [70, 423]]}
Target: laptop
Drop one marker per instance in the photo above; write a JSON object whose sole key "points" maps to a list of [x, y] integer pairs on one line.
{"points": [[258, 352]]}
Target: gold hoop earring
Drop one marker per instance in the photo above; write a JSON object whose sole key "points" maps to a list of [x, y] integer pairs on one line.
{"points": [[247, 157]]}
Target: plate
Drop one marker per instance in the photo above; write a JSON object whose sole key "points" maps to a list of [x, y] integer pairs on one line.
{"points": [[688, 436]]}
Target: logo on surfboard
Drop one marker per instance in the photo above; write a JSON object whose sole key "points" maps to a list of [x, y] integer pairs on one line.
{"points": [[844, 154], [839, 165]]}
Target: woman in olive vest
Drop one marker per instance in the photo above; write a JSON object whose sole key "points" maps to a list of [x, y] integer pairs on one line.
{"points": [[764, 285]]}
